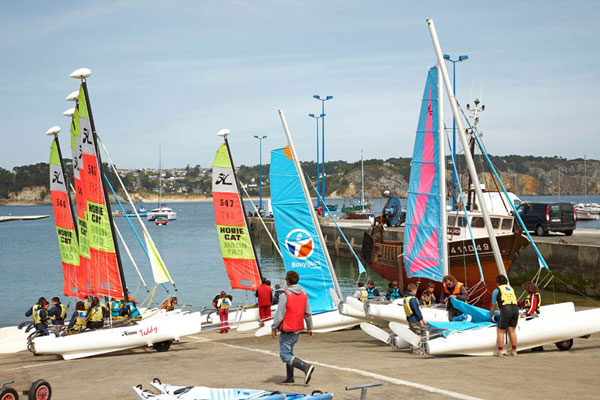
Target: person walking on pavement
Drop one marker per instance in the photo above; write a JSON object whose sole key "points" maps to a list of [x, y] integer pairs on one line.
{"points": [[265, 297], [292, 312]]}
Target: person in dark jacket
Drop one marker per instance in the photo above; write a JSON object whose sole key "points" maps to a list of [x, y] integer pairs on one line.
{"points": [[394, 292], [372, 290], [58, 312], [39, 313], [413, 314], [277, 294], [293, 311]]}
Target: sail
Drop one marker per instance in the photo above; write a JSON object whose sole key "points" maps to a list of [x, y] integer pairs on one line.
{"points": [[159, 269], [63, 218], [423, 252], [234, 237], [105, 279], [297, 235], [83, 272]]}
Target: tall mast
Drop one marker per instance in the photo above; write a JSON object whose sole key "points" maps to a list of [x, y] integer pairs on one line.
{"points": [[362, 181], [584, 180], [310, 206], [159, 177], [442, 155], [465, 144], [106, 198]]}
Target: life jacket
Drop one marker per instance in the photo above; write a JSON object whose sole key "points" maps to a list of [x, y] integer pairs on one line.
{"points": [[63, 311], [264, 295], [506, 296], [455, 291], [133, 309], [37, 318], [407, 310], [215, 300], [364, 295], [538, 296], [425, 302], [116, 307], [371, 292], [167, 304], [394, 293], [81, 318], [295, 307], [224, 305], [96, 314]]}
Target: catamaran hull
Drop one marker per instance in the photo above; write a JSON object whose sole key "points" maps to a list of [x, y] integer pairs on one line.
{"points": [[243, 319], [324, 322], [160, 328], [546, 329], [383, 313], [385, 258]]}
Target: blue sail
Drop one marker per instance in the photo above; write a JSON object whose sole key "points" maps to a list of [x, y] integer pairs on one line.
{"points": [[296, 233], [423, 239]]}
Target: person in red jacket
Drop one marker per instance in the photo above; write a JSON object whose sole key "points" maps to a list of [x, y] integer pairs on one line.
{"points": [[265, 299], [293, 311]]}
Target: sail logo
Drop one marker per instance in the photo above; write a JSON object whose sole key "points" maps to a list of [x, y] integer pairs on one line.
{"points": [[300, 244], [222, 179]]}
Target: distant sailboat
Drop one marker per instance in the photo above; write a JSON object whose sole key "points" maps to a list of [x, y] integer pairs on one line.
{"points": [[162, 210]]}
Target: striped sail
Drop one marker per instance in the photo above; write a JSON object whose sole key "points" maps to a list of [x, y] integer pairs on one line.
{"points": [[63, 218], [105, 279], [297, 235], [236, 245], [423, 253], [83, 272]]}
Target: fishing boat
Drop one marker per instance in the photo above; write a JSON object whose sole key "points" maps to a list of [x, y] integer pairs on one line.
{"points": [[301, 241], [97, 249], [162, 210], [431, 230]]}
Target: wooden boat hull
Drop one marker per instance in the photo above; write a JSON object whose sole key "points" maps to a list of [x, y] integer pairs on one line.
{"points": [[385, 258]]}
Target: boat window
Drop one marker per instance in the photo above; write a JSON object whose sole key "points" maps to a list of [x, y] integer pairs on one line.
{"points": [[495, 223], [507, 224], [452, 220], [477, 222]]}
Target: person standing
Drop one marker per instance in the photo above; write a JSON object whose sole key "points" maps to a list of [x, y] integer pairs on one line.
{"points": [[264, 301], [277, 294], [293, 311], [453, 289], [223, 305], [504, 298], [413, 314]]}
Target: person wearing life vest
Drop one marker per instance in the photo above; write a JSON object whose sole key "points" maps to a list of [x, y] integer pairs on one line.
{"points": [[452, 289], [429, 291], [394, 292], [277, 294], [265, 298], [531, 305], [131, 307], [505, 299], [413, 314], [223, 304], [361, 293], [372, 291], [169, 304], [96, 313], [116, 307], [293, 311], [39, 313], [78, 318], [87, 300], [426, 299], [58, 312]]}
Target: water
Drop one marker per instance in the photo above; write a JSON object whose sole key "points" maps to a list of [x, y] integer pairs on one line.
{"points": [[31, 264]]}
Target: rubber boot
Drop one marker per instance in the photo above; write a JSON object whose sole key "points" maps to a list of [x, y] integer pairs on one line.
{"points": [[289, 375], [306, 368]]}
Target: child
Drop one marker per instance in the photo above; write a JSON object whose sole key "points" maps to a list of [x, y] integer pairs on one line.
{"points": [[361, 293], [393, 292], [531, 306], [429, 289], [413, 314], [426, 299], [78, 319], [223, 305]]}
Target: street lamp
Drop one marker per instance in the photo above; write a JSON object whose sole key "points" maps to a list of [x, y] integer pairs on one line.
{"points": [[317, 117], [260, 139], [460, 59], [316, 96]]}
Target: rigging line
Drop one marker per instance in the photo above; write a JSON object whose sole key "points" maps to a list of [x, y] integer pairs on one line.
{"points": [[130, 256], [262, 220], [361, 268]]}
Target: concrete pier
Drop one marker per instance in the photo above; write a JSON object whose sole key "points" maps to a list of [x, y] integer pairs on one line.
{"points": [[574, 259], [342, 359]]}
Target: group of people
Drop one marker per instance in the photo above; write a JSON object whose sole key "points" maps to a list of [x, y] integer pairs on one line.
{"points": [[89, 313]]}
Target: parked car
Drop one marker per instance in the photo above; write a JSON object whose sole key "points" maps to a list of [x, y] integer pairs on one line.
{"points": [[545, 217]]}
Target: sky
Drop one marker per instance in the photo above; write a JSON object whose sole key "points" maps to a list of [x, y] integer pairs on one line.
{"points": [[173, 73]]}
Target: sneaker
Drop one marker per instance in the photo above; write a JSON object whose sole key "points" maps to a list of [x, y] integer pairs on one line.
{"points": [[512, 353], [497, 353]]}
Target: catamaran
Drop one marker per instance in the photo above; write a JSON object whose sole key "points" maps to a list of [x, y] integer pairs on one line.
{"points": [[162, 210]]}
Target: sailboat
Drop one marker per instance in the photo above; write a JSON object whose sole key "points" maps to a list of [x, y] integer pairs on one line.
{"points": [[162, 211], [301, 241], [360, 210], [105, 277]]}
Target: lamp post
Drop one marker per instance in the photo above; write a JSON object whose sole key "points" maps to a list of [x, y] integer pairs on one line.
{"points": [[459, 59], [317, 117], [260, 139], [323, 100]]}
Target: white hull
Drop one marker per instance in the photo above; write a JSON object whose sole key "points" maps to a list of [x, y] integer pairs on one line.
{"points": [[384, 313], [555, 324], [13, 339], [164, 326], [324, 322], [242, 319], [166, 213]]}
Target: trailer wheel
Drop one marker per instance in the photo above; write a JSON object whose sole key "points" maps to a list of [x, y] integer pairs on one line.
{"points": [[40, 390], [7, 393], [564, 345], [162, 346]]}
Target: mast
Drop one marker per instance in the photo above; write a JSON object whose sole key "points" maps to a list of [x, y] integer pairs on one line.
{"points": [[159, 177], [362, 181], [465, 144], [310, 206], [584, 181], [442, 155], [107, 200], [235, 178]]}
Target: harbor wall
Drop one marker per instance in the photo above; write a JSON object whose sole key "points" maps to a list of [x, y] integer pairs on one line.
{"points": [[575, 266]]}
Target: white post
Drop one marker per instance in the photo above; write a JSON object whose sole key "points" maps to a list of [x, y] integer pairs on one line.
{"points": [[442, 153], [470, 164], [310, 205]]}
